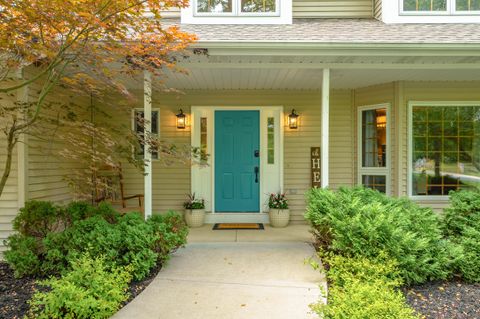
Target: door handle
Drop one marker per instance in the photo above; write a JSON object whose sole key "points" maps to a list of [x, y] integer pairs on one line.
{"points": [[256, 174]]}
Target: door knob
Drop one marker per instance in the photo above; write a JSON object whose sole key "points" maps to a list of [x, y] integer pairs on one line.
{"points": [[256, 174]]}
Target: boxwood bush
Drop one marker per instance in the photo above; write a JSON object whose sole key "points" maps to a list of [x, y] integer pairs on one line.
{"points": [[123, 240], [363, 222]]}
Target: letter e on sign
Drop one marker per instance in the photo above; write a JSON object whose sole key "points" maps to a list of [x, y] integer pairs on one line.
{"points": [[315, 166]]}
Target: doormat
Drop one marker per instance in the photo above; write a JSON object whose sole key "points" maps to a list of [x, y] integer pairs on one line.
{"points": [[235, 226]]}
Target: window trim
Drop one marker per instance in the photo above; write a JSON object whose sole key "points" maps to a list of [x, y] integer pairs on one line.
{"points": [[451, 10], [237, 11], [134, 110], [361, 170], [412, 104]]}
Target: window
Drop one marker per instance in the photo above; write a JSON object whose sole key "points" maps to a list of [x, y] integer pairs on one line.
{"points": [[203, 138], [373, 146], [138, 127], [440, 6], [271, 140], [445, 149], [236, 7]]}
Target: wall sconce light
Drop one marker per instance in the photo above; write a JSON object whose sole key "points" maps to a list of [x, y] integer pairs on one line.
{"points": [[293, 120], [181, 120]]}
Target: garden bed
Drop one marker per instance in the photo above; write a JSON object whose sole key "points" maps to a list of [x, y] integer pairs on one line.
{"points": [[15, 292], [445, 300]]}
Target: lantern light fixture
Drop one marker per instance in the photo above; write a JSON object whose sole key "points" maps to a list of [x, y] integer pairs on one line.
{"points": [[181, 120], [293, 120]]}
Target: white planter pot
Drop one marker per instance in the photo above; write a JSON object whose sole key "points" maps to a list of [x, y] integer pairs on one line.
{"points": [[279, 217], [194, 217]]}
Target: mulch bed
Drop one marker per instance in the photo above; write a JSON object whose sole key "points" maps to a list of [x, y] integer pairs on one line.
{"points": [[442, 300], [15, 292]]}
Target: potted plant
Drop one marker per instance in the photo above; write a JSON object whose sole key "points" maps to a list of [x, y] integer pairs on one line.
{"points": [[194, 211], [279, 213]]}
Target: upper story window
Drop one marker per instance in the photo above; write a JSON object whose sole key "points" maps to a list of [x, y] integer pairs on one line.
{"points": [[440, 7], [238, 12], [236, 7]]}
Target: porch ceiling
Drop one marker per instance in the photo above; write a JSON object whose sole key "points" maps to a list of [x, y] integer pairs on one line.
{"points": [[305, 79]]}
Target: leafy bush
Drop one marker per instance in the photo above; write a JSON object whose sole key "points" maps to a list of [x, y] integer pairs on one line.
{"points": [[91, 289], [123, 240], [364, 222], [464, 212], [23, 255], [38, 218], [363, 288]]}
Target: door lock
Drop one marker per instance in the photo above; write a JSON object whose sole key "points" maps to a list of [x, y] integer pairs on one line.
{"points": [[256, 153]]}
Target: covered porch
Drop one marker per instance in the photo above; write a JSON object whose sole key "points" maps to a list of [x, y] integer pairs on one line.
{"points": [[328, 86]]}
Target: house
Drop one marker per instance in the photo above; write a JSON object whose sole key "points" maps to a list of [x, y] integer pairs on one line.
{"points": [[388, 90]]}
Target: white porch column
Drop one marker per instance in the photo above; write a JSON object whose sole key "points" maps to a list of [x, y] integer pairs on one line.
{"points": [[147, 108], [325, 126]]}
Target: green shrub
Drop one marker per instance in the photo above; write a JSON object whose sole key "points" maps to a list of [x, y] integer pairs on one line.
{"points": [[171, 232], [91, 289], [364, 222], [469, 263], [38, 218], [23, 255], [363, 288], [463, 212]]}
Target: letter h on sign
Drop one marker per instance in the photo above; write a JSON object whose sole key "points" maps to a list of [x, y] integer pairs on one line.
{"points": [[315, 166]]}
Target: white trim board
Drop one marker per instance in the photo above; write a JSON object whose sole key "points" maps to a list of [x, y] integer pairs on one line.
{"points": [[271, 175], [420, 198]]}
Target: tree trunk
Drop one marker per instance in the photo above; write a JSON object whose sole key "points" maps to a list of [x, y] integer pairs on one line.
{"points": [[11, 141]]}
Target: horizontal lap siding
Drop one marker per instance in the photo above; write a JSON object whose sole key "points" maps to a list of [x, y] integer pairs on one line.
{"points": [[47, 170], [171, 183], [332, 9], [9, 196]]}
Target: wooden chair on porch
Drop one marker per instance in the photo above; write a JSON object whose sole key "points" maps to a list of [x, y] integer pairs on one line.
{"points": [[110, 188]]}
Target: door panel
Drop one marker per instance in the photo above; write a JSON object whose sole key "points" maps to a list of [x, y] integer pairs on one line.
{"points": [[237, 137]]}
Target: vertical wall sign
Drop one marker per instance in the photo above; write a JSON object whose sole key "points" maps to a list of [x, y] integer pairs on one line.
{"points": [[315, 166]]}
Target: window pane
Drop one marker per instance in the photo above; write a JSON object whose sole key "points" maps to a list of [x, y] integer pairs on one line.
{"points": [[448, 157], [139, 124], [377, 182], [374, 138], [214, 6], [468, 5], [203, 138], [258, 6], [271, 140], [424, 5]]}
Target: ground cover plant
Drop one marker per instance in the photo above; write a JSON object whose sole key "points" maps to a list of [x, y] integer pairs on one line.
{"points": [[57, 242], [426, 247]]}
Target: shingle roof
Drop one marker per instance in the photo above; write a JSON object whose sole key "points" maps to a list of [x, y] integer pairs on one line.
{"points": [[338, 31]]}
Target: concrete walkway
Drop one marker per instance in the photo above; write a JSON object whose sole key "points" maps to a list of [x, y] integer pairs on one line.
{"points": [[233, 274]]}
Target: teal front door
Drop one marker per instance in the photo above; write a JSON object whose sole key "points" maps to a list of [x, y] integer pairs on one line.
{"points": [[237, 161]]}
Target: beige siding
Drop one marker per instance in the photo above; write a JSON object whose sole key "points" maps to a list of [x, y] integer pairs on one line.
{"points": [[377, 9], [9, 197], [47, 170], [332, 9], [170, 184], [171, 13]]}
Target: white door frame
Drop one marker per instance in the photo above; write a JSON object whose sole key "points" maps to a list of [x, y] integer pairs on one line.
{"points": [[271, 175], [379, 171]]}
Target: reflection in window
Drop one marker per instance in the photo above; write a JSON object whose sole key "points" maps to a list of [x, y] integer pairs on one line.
{"points": [[203, 138], [445, 149], [271, 140], [425, 5], [139, 124], [214, 6], [258, 5], [374, 138], [467, 5], [377, 182]]}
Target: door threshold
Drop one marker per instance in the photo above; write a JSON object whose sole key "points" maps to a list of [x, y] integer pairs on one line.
{"points": [[236, 217]]}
